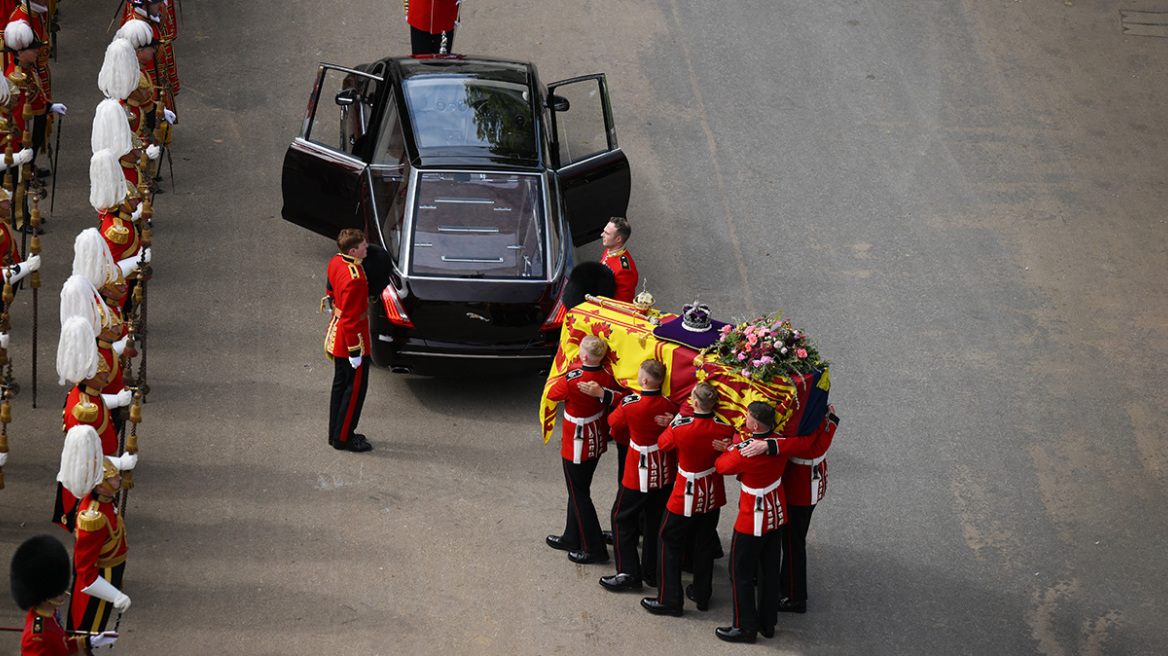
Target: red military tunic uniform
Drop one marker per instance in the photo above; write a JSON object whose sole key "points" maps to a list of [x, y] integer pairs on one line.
{"points": [[85, 406], [762, 505], [99, 551], [433, 16], [636, 417], [34, 94], [585, 433], [162, 68], [625, 270], [44, 636], [805, 478], [9, 248], [698, 488], [120, 234], [348, 330]]}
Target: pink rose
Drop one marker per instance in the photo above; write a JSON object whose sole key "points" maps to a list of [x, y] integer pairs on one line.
{"points": [[801, 353], [741, 356]]}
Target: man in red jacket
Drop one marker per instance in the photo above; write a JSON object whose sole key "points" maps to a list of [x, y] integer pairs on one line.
{"points": [[804, 484], [432, 25], [762, 513], [693, 507], [585, 439], [347, 340], [646, 481], [617, 257]]}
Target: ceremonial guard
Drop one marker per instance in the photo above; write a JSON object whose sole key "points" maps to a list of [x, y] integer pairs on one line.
{"points": [[432, 24], [762, 512], [10, 122], [142, 101], [99, 554], [647, 480], [24, 48], [162, 68], [804, 484], [617, 257], [111, 131], [585, 439], [693, 507], [347, 340], [40, 576], [15, 269]]}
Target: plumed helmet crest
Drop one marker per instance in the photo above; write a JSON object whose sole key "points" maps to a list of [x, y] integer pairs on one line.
{"points": [[118, 77], [76, 351], [111, 128]]}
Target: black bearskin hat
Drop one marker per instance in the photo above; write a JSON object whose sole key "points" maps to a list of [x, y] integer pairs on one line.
{"points": [[593, 278], [40, 571]]}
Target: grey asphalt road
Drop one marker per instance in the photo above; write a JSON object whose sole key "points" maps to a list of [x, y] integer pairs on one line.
{"points": [[962, 201]]}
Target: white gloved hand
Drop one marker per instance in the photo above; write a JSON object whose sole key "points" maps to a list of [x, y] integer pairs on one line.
{"points": [[18, 272], [4, 341], [119, 346], [107, 638], [355, 360], [58, 108], [147, 255], [137, 214], [3, 459], [124, 462], [118, 400], [153, 152], [103, 589], [168, 116], [23, 157], [128, 265]]}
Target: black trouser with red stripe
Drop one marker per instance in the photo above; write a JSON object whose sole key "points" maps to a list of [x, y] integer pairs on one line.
{"points": [[633, 509], [348, 397], [582, 529], [97, 612], [674, 530], [793, 573], [750, 557]]}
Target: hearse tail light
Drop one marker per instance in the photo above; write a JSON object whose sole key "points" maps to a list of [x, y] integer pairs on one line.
{"points": [[556, 319], [393, 308]]}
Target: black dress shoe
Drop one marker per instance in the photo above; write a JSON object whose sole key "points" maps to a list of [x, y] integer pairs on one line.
{"points": [[586, 558], [788, 606], [734, 634], [620, 582], [43, 173], [607, 535], [657, 608], [353, 444], [689, 593], [557, 542], [767, 631]]}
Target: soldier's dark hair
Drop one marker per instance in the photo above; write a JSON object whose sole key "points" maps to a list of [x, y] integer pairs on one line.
{"points": [[763, 413], [654, 369], [622, 226], [349, 239]]}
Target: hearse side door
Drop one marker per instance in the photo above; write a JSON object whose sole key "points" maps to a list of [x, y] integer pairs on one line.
{"points": [[592, 169], [324, 168]]}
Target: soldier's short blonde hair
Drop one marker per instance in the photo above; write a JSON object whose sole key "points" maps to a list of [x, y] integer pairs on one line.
{"points": [[594, 346], [705, 397]]}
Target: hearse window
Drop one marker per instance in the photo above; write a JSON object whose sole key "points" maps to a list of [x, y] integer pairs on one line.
{"points": [[478, 225]]}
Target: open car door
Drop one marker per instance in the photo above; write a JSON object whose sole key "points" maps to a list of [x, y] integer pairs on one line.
{"points": [[592, 169], [323, 168]]}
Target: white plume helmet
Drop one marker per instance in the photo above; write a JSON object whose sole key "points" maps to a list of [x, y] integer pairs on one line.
{"points": [[81, 460], [89, 260], [80, 298], [137, 32], [107, 185], [111, 128], [18, 35], [118, 77], [76, 351]]}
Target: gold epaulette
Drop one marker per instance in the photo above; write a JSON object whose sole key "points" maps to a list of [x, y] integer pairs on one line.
{"points": [[85, 411], [91, 519], [144, 81], [117, 233], [354, 272]]}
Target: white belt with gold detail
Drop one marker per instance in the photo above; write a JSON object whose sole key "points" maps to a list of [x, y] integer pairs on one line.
{"points": [[759, 508], [643, 463], [691, 480], [578, 438]]}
